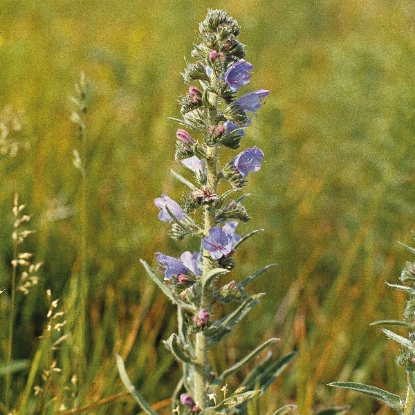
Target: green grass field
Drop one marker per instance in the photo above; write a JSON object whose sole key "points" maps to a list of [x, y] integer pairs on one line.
{"points": [[334, 195]]}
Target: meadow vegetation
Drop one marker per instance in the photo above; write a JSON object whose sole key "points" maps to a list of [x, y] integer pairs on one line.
{"points": [[336, 194]]}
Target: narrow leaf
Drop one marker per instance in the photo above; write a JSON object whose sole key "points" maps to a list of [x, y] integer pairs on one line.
{"points": [[209, 276], [170, 294], [253, 276], [250, 234], [400, 339], [177, 349], [409, 248], [186, 182], [236, 400], [246, 359], [334, 410], [131, 388], [391, 323], [285, 410], [388, 398], [180, 224], [223, 326], [399, 287]]}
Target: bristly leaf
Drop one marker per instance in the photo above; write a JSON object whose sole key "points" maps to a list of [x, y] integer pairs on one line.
{"points": [[208, 277], [170, 294], [243, 239], [186, 182], [246, 359], [285, 409], [253, 276], [388, 398], [223, 326], [264, 374], [403, 288], [407, 344], [334, 410], [391, 323], [131, 388], [177, 349]]}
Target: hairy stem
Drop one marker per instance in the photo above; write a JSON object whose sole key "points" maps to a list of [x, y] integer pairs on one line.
{"points": [[201, 352], [409, 402]]}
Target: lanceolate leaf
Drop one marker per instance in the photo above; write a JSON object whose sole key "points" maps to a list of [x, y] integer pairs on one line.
{"points": [[253, 276], [186, 182], [243, 239], [131, 388], [247, 358], [390, 399], [264, 375], [208, 277], [399, 287], [177, 349], [225, 325], [390, 323], [170, 294], [400, 339], [285, 410]]}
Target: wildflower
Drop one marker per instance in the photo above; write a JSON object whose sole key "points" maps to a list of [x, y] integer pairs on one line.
{"points": [[195, 165], [184, 136], [230, 127], [163, 203], [187, 400], [237, 74], [249, 160], [188, 264], [202, 318], [253, 101], [195, 94], [220, 241]]}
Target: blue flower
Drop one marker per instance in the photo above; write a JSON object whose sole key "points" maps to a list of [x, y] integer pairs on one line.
{"points": [[237, 74], [188, 264], [230, 126], [249, 160], [195, 164], [220, 241], [253, 101], [165, 201]]}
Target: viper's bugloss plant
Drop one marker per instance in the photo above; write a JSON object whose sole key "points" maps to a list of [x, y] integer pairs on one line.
{"points": [[215, 115], [402, 405]]}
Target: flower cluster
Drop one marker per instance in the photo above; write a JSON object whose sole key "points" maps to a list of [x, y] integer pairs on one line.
{"points": [[214, 115]]}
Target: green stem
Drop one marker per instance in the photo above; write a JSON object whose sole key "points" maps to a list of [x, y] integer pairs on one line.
{"points": [[201, 346], [409, 401]]}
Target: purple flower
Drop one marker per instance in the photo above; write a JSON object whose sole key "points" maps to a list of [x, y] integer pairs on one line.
{"points": [[220, 241], [202, 318], [184, 136], [194, 164], [237, 74], [248, 160], [253, 101], [191, 262], [230, 126], [188, 263], [187, 400], [165, 201]]}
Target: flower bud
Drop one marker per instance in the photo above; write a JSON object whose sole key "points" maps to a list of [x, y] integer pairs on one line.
{"points": [[202, 318], [184, 136]]}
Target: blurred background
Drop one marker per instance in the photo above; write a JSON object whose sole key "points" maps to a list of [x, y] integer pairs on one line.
{"points": [[334, 195]]}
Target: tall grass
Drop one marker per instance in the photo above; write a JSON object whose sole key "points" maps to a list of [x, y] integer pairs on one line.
{"points": [[338, 129]]}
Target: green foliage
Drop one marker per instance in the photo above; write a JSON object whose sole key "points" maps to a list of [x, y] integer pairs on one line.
{"points": [[337, 196]]}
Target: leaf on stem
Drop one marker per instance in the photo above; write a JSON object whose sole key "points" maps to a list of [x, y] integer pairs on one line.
{"points": [[253, 276], [170, 294], [177, 349], [285, 409], [225, 325], [250, 235], [388, 398], [391, 323], [131, 388], [186, 182], [205, 279], [400, 339], [246, 359]]}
